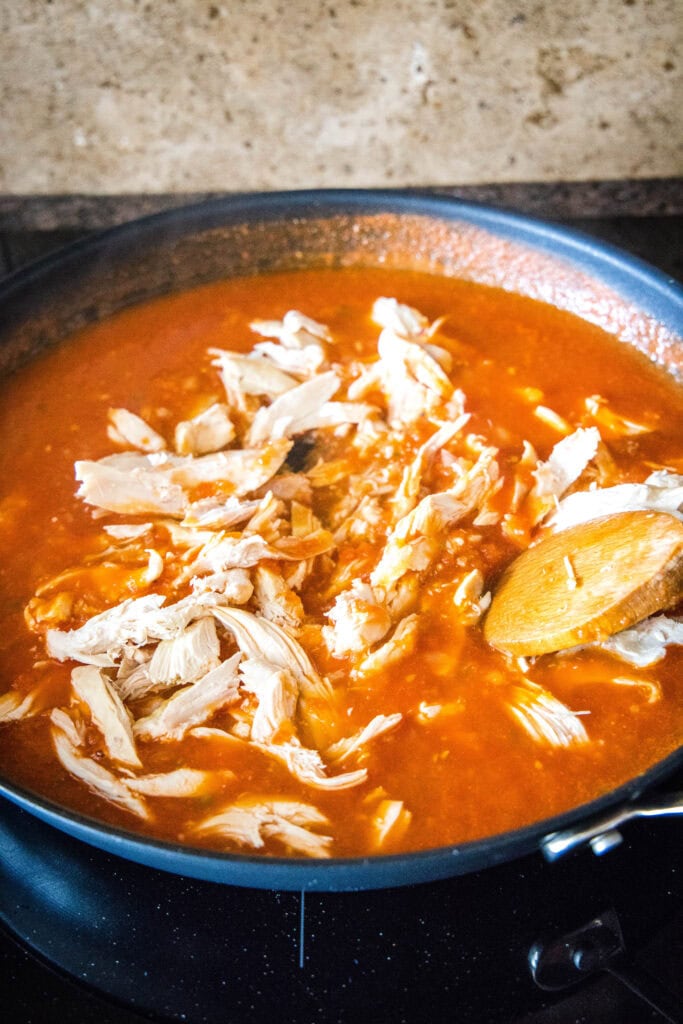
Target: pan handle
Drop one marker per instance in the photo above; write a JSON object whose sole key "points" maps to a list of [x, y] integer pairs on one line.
{"points": [[602, 834]]}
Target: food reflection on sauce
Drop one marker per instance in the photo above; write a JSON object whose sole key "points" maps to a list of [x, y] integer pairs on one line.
{"points": [[254, 621]]}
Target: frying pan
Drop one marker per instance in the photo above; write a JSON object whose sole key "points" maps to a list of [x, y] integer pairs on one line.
{"points": [[42, 304]]}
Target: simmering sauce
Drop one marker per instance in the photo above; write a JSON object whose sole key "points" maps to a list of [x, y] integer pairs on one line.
{"points": [[330, 517]]}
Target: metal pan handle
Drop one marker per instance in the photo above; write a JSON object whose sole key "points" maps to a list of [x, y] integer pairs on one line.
{"points": [[602, 833]]}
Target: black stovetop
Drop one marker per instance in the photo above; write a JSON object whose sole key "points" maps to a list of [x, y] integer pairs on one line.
{"points": [[176, 949], [147, 945]]}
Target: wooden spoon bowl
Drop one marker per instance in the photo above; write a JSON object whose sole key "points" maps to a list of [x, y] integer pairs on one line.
{"points": [[587, 582]]}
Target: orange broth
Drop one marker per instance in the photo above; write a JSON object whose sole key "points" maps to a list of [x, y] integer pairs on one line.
{"points": [[463, 771]]}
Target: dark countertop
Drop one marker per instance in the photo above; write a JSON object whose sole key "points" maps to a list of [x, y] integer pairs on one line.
{"points": [[645, 217], [646, 197]]}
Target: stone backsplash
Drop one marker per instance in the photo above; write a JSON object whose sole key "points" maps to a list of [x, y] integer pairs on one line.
{"points": [[104, 98]]}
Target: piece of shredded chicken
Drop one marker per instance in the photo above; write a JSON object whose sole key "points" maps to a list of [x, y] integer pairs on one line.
{"points": [[250, 821], [645, 644], [127, 428], [108, 713], [208, 431], [544, 718], [15, 705], [659, 492], [191, 705], [96, 777]]}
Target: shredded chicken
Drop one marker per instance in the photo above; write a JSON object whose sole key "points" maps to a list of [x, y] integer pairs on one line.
{"points": [[390, 820], [127, 531], [161, 483], [404, 320], [130, 485], [413, 381], [95, 776], [287, 415], [645, 643], [130, 429], [192, 705], [218, 513], [188, 656], [225, 551], [308, 767], [409, 490], [610, 422], [415, 540], [277, 692], [209, 431], [275, 599], [300, 343], [252, 820], [182, 782], [470, 598], [230, 586], [101, 640], [547, 720], [566, 462], [350, 746], [108, 713], [400, 644], [72, 725], [15, 705], [245, 375], [258, 638], [660, 492], [358, 621]]}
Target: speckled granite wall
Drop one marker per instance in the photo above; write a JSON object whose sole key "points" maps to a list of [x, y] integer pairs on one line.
{"points": [[113, 96]]}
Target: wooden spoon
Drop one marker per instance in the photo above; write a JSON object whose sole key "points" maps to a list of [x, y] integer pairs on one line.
{"points": [[587, 582]]}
